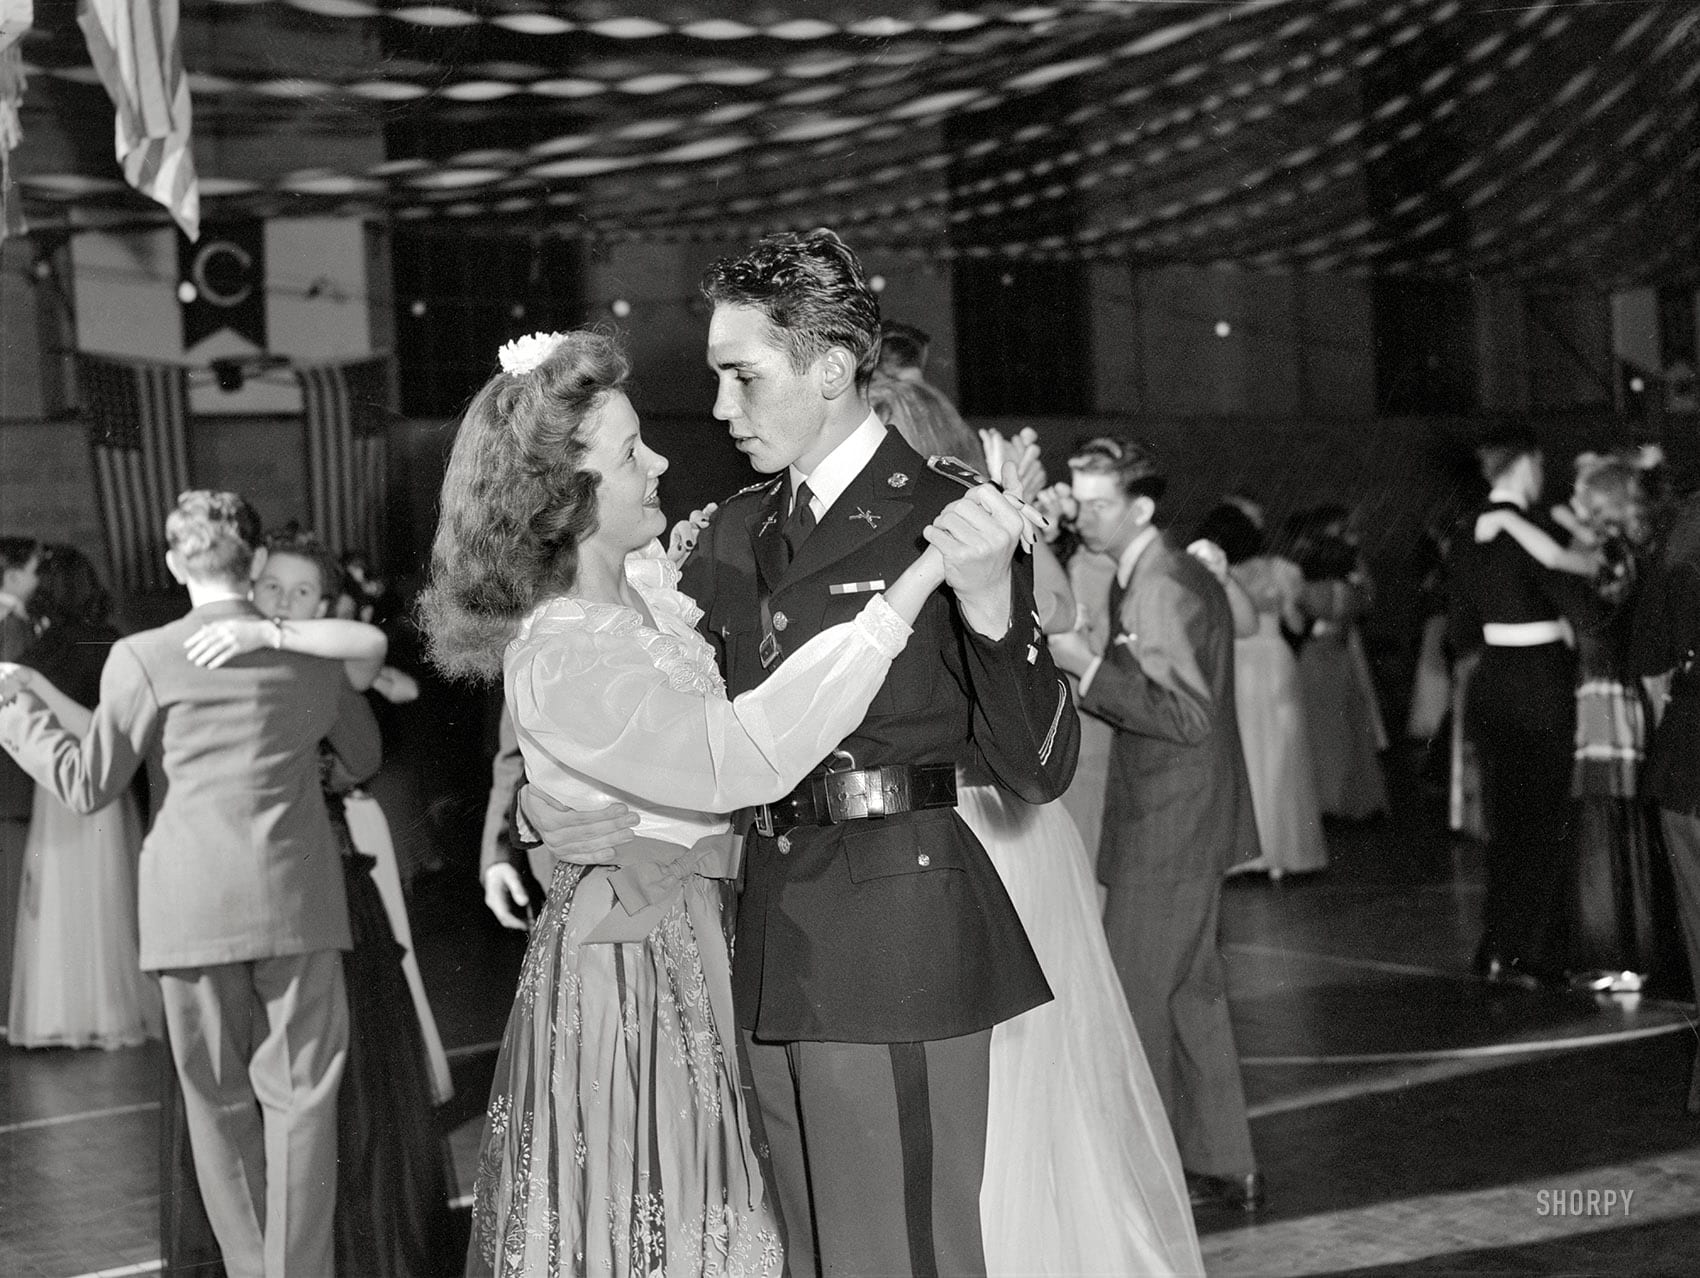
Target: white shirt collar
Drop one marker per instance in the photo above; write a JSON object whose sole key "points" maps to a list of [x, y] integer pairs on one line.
{"points": [[1510, 495], [243, 597], [838, 468], [1130, 556]]}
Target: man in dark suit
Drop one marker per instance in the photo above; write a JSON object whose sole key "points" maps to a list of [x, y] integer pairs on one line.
{"points": [[1521, 708], [241, 895], [1666, 639], [876, 946], [1177, 806], [20, 557]]}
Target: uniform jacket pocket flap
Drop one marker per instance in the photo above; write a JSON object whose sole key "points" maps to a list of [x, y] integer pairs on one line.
{"points": [[883, 848]]}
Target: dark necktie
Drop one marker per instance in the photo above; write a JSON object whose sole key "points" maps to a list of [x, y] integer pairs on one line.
{"points": [[799, 523], [1118, 592]]}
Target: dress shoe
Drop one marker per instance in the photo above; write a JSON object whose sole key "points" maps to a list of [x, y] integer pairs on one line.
{"points": [[1497, 971], [1244, 1192]]}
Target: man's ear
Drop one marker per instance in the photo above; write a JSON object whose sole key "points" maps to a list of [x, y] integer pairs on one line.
{"points": [[259, 564], [1144, 509], [837, 372]]}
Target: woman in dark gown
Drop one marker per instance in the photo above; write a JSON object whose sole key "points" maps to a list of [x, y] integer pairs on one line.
{"points": [[1346, 732]]}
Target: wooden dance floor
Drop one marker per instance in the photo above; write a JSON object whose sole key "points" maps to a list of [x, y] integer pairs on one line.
{"points": [[1409, 1120]]}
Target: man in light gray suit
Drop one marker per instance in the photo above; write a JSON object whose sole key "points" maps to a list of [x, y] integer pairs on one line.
{"points": [[1177, 806], [240, 889]]}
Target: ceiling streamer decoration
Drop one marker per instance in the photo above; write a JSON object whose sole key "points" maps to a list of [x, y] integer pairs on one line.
{"points": [[1428, 137]]}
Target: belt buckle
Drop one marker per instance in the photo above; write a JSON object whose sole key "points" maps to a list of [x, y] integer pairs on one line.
{"points": [[764, 820], [835, 788]]}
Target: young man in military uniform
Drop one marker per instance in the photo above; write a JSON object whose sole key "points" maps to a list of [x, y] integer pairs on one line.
{"points": [[876, 946]]}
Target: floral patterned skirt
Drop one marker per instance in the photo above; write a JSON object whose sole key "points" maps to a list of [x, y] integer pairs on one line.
{"points": [[617, 1141]]}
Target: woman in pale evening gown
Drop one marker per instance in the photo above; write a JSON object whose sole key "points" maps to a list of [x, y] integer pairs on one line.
{"points": [[1268, 700], [1082, 1176], [617, 1136], [76, 980]]}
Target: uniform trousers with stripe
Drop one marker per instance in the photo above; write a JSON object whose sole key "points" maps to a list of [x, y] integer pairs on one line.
{"points": [[877, 1152]]}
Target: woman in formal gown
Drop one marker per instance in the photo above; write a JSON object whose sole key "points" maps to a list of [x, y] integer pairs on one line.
{"points": [[1269, 702], [76, 981], [1082, 1176], [617, 1137], [1346, 731]]}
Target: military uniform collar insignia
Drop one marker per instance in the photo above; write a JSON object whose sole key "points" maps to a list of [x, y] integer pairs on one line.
{"points": [[760, 485]]}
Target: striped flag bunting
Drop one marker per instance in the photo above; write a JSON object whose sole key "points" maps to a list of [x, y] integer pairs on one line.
{"points": [[134, 47], [136, 419], [15, 19], [347, 412]]}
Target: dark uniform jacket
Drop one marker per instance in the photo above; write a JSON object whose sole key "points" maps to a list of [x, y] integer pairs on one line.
{"points": [[892, 929], [1666, 637], [1531, 689]]}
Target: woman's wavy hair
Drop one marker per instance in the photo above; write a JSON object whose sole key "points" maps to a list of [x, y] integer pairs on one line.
{"points": [[516, 502], [928, 422], [69, 590], [1620, 493]]}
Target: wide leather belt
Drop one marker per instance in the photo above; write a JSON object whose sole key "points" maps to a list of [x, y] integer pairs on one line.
{"points": [[826, 798]]}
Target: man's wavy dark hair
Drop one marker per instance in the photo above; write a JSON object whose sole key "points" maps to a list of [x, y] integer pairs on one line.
{"points": [[1132, 464], [811, 289]]}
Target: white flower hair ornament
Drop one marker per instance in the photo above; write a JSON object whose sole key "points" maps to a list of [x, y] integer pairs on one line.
{"points": [[523, 354]]}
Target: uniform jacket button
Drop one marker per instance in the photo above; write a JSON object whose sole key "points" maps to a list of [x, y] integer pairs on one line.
{"points": [[923, 860], [784, 844], [780, 621]]}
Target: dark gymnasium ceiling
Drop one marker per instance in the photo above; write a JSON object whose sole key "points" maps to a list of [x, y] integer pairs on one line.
{"points": [[1420, 137]]}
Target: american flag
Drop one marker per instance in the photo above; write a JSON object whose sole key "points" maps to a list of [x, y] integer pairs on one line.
{"points": [[136, 414], [134, 47], [347, 413]]}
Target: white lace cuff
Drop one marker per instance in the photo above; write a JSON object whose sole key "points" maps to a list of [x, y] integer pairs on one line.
{"points": [[884, 629]]}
